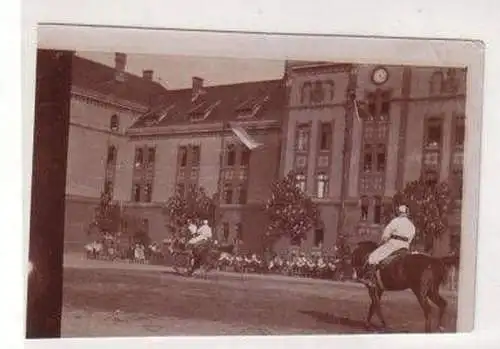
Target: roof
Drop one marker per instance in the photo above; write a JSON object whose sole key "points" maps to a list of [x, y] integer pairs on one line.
{"points": [[260, 100], [94, 76]]}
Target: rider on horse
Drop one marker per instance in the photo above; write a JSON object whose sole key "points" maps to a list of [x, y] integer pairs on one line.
{"points": [[397, 235], [202, 237]]}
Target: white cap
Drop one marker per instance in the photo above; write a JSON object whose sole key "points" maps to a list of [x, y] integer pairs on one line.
{"points": [[403, 209]]}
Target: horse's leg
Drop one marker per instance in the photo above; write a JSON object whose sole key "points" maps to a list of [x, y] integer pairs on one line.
{"points": [[436, 298], [426, 307], [378, 307], [371, 310]]}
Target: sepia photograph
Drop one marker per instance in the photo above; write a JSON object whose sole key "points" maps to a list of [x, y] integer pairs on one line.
{"points": [[205, 196]]}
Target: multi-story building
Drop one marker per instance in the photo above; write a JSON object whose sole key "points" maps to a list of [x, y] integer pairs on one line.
{"points": [[351, 157], [105, 102], [189, 141], [357, 134]]}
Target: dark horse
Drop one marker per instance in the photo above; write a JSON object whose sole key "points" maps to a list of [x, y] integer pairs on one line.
{"points": [[207, 255], [420, 272]]}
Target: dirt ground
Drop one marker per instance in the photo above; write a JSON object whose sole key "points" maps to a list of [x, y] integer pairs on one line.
{"points": [[104, 299]]}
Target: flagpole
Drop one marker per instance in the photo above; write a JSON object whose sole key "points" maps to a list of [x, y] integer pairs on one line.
{"points": [[221, 173], [346, 151]]}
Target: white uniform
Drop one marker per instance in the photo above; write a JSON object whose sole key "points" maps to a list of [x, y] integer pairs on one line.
{"points": [[204, 234], [399, 227], [192, 229]]}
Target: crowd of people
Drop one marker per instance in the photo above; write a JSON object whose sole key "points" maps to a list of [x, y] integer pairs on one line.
{"points": [[325, 267], [295, 264]]}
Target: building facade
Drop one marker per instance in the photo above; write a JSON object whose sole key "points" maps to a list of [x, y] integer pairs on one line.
{"points": [[145, 143], [357, 134], [105, 102]]}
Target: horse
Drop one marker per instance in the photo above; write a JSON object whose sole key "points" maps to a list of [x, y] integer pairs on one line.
{"points": [[402, 270], [207, 255]]}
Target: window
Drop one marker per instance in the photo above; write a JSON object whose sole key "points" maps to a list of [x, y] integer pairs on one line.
{"points": [[305, 93], [458, 183], [460, 133], [377, 212], [381, 158], [111, 154], [322, 186], [242, 198], [151, 155], [245, 157], [431, 177], [225, 231], [148, 192], [455, 242], [436, 83], [195, 155], [302, 138], [108, 187], [330, 87], [368, 158], [319, 236], [114, 123], [372, 105], [325, 136], [365, 204], [434, 132], [138, 157], [317, 93], [183, 156], [181, 189], [137, 193], [239, 231], [228, 193], [231, 155], [385, 107], [301, 182]]}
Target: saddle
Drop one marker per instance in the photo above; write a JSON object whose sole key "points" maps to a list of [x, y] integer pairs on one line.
{"points": [[395, 256]]}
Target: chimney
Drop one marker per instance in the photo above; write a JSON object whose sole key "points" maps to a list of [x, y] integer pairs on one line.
{"points": [[120, 63], [147, 75], [197, 86]]}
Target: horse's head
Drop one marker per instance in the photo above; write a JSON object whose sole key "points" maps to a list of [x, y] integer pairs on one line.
{"points": [[361, 252]]}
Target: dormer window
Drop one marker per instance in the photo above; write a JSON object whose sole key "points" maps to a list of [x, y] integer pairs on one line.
{"points": [[202, 112], [250, 107]]}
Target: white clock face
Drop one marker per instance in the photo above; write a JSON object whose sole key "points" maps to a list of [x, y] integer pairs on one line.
{"points": [[380, 76]]}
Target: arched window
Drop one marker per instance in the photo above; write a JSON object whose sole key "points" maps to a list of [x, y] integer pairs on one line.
{"points": [[436, 83], [114, 123], [322, 185]]}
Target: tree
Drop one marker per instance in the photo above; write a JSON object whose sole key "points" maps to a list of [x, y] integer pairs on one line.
{"points": [[429, 206], [291, 212], [195, 204]]}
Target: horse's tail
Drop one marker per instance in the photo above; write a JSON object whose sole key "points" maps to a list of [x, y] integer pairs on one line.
{"points": [[443, 265]]}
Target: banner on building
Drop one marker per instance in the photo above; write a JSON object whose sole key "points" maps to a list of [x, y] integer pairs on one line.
{"points": [[244, 137]]}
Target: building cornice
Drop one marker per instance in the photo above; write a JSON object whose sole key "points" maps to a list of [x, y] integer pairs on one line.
{"points": [[107, 100], [96, 129], [202, 129]]}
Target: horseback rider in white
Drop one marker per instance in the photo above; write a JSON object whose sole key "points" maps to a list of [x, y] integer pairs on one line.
{"points": [[202, 235], [192, 228], [397, 235]]}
